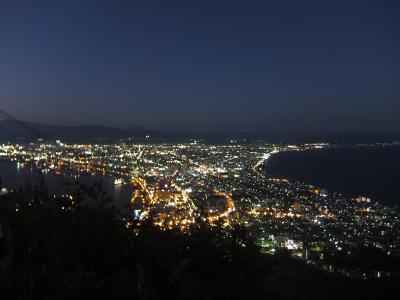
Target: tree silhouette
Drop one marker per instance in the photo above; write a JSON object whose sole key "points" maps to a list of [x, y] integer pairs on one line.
{"points": [[61, 249]]}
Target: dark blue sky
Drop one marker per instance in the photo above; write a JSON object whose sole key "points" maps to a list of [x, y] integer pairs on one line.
{"points": [[315, 66]]}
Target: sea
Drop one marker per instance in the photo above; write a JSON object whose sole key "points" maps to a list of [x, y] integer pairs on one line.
{"points": [[13, 176], [370, 171]]}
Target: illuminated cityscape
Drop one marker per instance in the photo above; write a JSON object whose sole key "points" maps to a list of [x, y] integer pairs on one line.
{"points": [[179, 185]]}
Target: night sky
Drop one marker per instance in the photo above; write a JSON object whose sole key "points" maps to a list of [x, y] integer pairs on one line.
{"points": [[293, 66]]}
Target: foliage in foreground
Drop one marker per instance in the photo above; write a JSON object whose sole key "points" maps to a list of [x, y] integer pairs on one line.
{"points": [[58, 251]]}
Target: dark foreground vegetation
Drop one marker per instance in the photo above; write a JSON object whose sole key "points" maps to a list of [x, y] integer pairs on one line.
{"points": [[54, 249]]}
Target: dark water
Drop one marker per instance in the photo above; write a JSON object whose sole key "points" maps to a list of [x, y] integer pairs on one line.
{"points": [[13, 177], [373, 172]]}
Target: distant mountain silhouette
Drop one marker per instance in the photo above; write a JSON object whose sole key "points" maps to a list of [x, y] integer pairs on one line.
{"points": [[9, 130], [16, 130], [89, 131]]}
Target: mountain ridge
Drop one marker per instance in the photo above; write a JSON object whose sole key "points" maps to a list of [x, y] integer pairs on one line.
{"points": [[18, 130]]}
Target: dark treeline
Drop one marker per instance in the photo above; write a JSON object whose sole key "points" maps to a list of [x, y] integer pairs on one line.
{"points": [[53, 248]]}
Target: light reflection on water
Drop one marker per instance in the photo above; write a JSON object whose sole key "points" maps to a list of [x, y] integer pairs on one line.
{"points": [[353, 171], [13, 176]]}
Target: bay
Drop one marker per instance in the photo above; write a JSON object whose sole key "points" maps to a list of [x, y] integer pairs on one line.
{"points": [[13, 177], [372, 171]]}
